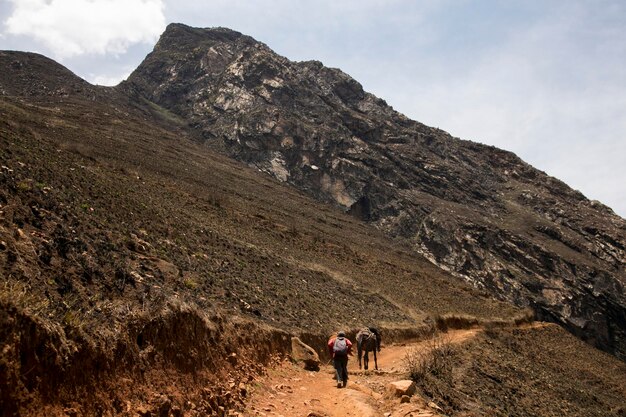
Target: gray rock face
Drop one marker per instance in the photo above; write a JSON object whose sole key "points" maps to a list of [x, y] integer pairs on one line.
{"points": [[472, 209]]}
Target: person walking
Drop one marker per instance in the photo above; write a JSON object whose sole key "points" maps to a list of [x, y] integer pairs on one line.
{"points": [[339, 348]]}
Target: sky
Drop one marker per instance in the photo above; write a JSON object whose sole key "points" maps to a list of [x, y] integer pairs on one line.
{"points": [[545, 79]]}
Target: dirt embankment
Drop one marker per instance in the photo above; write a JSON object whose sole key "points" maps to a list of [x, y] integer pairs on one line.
{"points": [[179, 362]]}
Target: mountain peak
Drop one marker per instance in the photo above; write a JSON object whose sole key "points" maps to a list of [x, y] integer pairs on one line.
{"points": [[181, 27], [476, 210], [32, 74], [180, 35]]}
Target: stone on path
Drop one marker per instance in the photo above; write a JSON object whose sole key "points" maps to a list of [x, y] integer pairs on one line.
{"points": [[301, 352], [400, 388], [434, 406]]}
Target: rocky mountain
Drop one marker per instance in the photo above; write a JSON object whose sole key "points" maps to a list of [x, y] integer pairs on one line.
{"points": [[143, 273], [140, 269], [474, 210]]}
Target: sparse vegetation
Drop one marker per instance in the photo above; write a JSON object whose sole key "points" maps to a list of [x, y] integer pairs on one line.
{"points": [[190, 283], [456, 321], [435, 359], [21, 296], [25, 185], [105, 300]]}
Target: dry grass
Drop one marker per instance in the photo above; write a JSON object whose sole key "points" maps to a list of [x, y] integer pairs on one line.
{"points": [[435, 359], [21, 296], [456, 321], [464, 321]]}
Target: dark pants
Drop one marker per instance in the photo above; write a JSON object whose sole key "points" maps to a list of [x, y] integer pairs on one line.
{"points": [[341, 368]]}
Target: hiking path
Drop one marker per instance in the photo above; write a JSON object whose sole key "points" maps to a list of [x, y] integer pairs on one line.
{"points": [[290, 391]]}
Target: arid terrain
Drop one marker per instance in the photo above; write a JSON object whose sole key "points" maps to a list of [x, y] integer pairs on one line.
{"points": [[477, 211], [512, 384], [146, 272]]}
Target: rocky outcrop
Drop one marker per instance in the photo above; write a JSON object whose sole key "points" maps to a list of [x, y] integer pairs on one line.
{"points": [[305, 354], [477, 211]]}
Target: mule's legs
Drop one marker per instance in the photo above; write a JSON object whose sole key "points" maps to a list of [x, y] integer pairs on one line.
{"points": [[375, 362], [366, 359], [358, 348]]}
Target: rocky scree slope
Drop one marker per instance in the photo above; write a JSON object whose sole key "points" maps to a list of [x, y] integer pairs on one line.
{"points": [[134, 262], [476, 211]]}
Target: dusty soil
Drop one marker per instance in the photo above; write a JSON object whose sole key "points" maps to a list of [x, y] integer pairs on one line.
{"points": [[289, 390], [495, 372]]}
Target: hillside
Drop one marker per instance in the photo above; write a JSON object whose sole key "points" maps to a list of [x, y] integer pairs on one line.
{"points": [[476, 211], [121, 237], [143, 273]]}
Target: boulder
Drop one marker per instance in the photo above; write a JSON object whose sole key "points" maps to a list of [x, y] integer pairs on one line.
{"points": [[400, 388], [303, 353]]}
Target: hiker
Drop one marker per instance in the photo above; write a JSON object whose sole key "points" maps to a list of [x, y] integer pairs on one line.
{"points": [[339, 348]]}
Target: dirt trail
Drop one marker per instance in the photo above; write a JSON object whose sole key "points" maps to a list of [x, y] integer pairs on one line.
{"points": [[290, 391]]}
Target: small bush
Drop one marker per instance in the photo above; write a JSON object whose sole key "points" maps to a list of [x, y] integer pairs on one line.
{"points": [[190, 284], [434, 359], [25, 185], [456, 321], [492, 330]]}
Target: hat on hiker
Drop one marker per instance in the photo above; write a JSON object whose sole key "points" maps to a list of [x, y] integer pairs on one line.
{"points": [[341, 333]]}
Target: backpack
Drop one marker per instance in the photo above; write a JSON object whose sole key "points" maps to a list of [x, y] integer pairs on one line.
{"points": [[340, 347]]}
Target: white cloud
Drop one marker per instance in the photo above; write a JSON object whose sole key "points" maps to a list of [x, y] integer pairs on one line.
{"points": [[75, 27], [552, 91], [107, 79], [542, 79]]}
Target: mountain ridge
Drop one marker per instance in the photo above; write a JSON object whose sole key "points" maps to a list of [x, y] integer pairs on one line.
{"points": [[143, 273], [475, 210]]}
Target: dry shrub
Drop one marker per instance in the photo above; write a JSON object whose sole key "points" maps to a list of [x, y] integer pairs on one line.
{"points": [[493, 330], [22, 296], [456, 321], [435, 359], [526, 317]]}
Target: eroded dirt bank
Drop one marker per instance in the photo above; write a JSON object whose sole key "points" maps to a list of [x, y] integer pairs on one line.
{"points": [[181, 361], [174, 361]]}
